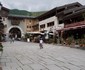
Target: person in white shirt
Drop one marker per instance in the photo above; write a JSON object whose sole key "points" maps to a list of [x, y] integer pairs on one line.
{"points": [[28, 40], [41, 43]]}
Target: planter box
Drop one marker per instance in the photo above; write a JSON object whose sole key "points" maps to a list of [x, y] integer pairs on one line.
{"points": [[82, 46]]}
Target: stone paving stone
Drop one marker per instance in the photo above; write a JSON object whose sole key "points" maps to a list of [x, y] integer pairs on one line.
{"points": [[8, 68], [5, 60], [19, 68], [25, 61], [64, 68], [48, 61], [53, 67], [25, 67], [71, 67], [5, 68], [38, 67], [28, 56], [14, 65], [82, 67]]}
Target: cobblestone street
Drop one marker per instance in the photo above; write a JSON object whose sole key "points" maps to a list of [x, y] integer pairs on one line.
{"points": [[28, 56]]}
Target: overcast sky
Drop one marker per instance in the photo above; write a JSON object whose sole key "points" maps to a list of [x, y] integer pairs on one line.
{"points": [[36, 5]]}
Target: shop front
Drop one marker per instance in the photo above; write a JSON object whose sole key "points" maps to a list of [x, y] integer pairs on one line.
{"points": [[74, 32]]}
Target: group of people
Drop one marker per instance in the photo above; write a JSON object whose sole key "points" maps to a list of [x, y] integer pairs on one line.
{"points": [[12, 38], [40, 42]]}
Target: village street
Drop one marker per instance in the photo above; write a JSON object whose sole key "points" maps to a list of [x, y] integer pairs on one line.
{"points": [[28, 56]]}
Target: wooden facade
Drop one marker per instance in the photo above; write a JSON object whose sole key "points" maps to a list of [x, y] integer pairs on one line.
{"points": [[74, 25]]}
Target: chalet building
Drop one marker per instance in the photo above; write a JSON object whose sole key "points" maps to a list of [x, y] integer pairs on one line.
{"points": [[48, 21], [53, 20], [65, 15], [20, 25], [74, 23]]}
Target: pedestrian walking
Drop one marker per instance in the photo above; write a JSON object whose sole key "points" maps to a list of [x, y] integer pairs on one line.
{"points": [[28, 40], [41, 43], [11, 38]]}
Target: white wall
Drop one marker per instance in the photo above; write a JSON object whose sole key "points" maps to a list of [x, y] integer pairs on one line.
{"points": [[22, 25], [9, 26], [51, 19]]}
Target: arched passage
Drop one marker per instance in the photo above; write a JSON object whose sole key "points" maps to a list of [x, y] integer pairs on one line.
{"points": [[8, 30], [15, 32]]}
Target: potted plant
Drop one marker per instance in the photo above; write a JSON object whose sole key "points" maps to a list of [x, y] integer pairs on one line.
{"points": [[82, 43], [69, 40]]}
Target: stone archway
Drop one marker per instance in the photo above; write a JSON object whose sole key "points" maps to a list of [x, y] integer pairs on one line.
{"points": [[15, 28], [15, 32]]}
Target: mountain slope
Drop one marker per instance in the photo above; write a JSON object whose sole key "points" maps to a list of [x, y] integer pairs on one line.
{"points": [[25, 13]]}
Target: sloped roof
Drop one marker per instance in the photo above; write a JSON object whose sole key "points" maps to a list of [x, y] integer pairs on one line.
{"points": [[4, 8], [20, 16], [75, 11], [54, 10]]}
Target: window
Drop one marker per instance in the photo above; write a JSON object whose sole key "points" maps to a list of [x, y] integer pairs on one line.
{"points": [[27, 26], [42, 26], [50, 24], [60, 22], [30, 26]]}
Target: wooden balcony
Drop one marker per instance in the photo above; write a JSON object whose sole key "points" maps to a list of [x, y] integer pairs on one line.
{"points": [[75, 25]]}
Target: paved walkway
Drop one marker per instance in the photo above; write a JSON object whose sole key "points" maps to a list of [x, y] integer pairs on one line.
{"points": [[28, 56]]}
